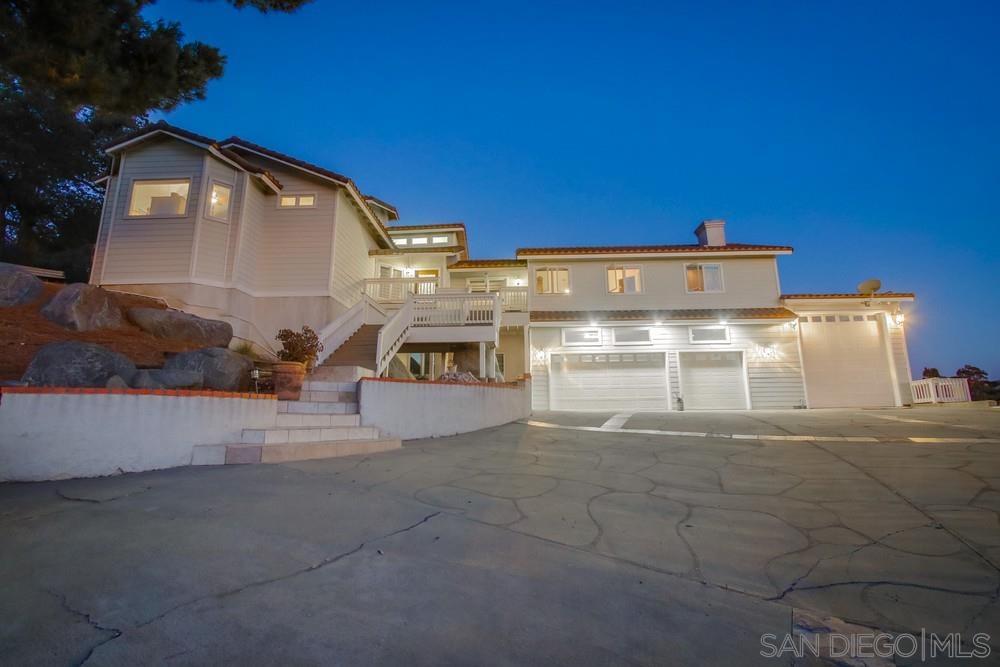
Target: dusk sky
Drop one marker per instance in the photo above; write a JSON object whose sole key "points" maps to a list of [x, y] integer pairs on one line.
{"points": [[867, 136]]}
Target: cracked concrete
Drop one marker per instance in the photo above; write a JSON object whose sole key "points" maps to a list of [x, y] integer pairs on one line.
{"points": [[515, 545]]}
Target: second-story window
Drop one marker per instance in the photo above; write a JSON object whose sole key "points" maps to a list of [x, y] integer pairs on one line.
{"points": [[159, 198], [624, 279], [703, 277], [218, 201], [552, 281], [297, 201]]}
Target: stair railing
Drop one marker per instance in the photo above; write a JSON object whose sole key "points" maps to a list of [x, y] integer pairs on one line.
{"points": [[392, 335], [336, 333]]}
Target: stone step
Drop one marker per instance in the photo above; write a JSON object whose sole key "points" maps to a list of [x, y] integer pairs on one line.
{"points": [[295, 420], [339, 373], [268, 436], [327, 385], [280, 453], [329, 396], [311, 408]]}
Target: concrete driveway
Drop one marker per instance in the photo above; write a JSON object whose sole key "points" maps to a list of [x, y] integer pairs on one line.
{"points": [[570, 541]]}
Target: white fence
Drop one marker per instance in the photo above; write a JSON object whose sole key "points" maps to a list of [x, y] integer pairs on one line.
{"points": [[455, 310], [395, 290], [514, 299], [409, 409], [940, 390]]}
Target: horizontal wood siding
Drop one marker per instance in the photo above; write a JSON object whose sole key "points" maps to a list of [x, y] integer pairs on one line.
{"points": [[235, 225], [351, 262], [156, 249], [897, 342], [249, 244], [294, 249], [749, 282], [775, 381], [101, 245]]}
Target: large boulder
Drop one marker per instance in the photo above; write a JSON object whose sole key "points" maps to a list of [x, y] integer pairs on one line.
{"points": [[76, 364], [18, 287], [164, 379], [84, 307], [221, 369], [397, 369], [184, 326]]}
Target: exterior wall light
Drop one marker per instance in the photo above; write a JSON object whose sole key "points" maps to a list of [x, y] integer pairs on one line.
{"points": [[538, 356], [898, 318]]}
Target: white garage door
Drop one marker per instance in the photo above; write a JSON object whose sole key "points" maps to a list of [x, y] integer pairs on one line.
{"points": [[613, 381], [712, 381], [845, 361]]}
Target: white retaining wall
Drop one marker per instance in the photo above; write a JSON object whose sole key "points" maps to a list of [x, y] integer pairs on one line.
{"points": [[410, 409], [57, 436]]}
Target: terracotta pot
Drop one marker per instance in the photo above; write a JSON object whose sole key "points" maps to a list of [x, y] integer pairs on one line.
{"points": [[288, 376]]}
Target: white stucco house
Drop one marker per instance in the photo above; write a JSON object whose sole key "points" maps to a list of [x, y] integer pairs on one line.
{"points": [[232, 230]]}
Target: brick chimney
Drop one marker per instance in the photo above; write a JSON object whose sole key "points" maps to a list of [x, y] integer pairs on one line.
{"points": [[711, 232]]}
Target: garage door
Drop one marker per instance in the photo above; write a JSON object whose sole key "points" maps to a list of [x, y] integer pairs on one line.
{"points": [[613, 381], [712, 381], [845, 361]]}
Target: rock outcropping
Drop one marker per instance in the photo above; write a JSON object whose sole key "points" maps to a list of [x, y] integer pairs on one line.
{"points": [[76, 364], [17, 287], [221, 369], [84, 307], [176, 324]]}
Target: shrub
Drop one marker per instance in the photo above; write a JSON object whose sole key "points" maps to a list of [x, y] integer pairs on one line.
{"points": [[302, 346]]}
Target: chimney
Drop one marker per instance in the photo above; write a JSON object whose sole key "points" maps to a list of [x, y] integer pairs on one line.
{"points": [[711, 232]]}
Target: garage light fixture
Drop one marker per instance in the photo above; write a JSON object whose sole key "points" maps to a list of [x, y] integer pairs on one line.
{"points": [[723, 321], [898, 318]]}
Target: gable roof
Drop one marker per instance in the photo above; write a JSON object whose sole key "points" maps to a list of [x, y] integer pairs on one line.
{"points": [[457, 227], [895, 296], [654, 249], [702, 314], [225, 150], [161, 128], [489, 264], [384, 205]]}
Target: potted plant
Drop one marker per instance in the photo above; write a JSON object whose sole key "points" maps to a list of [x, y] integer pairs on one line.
{"points": [[299, 350]]}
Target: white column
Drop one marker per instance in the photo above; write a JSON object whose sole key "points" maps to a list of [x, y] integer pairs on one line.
{"points": [[491, 363], [526, 344], [482, 360]]}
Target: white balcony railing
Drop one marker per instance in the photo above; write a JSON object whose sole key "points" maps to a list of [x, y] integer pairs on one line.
{"points": [[514, 299], [395, 290], [940, 390]]}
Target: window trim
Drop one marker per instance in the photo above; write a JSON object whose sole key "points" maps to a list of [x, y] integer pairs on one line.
{"points": [[297, 195], [208, 201], [600, 337], [131, 196], [616, 342], [726, 341], [440, 239], [700, 265], [553, 267], [612, 267]]}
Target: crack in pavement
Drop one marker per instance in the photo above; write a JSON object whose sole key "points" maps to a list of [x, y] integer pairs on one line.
{"points": [[99, 501], [115, 632]]}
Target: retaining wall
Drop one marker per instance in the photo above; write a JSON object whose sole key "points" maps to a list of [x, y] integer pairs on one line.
{"points": [[409, 409], [56, 433]]}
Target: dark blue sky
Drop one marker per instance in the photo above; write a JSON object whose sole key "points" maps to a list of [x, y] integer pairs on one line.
{"points": [[866, 136]]}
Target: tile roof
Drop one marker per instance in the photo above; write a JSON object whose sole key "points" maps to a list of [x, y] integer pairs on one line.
{"points": [[436, 225], [488, 263], [383, 204], [651, 249], [851, 295], [406, 250], [664, 315]]}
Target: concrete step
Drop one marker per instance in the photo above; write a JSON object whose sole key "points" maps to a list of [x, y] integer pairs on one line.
{"points": [[295, 420], [312, 408], [324, 373], [268, 436], [326, 385], [298, 451], [329, 396]]}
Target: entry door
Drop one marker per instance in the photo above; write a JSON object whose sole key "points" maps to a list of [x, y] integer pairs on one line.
{"points": [[845, 361], [712, 381], [609, 381]]}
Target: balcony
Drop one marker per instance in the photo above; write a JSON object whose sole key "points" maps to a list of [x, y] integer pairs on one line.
{"points": [[395, 291]]}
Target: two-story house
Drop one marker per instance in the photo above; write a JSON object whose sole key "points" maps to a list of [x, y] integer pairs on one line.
{"points": [[232, 230]]}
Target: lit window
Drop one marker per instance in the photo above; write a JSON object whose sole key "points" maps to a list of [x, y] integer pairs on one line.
{"points": [[703, 277], [439, 239], [708, 334], [401, 241], [581, 337], [218, 201], [551, 281], [420, 240], [297, 201], [624, 280], [631, 336], [159, 199]]}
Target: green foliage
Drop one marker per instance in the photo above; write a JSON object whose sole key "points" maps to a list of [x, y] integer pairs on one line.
{"points": [[980, 385], [302, 346], [74, 74], [931, 373]]}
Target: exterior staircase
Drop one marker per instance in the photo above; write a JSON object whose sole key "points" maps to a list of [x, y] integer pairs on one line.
{"points": [[360, 350], [323, 424]]}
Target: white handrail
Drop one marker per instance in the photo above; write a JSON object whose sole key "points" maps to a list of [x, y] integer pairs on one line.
{"points": [[392, 335], [456, 310], [336, 333], [941, 390], [395, 290], [514, 298]]}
